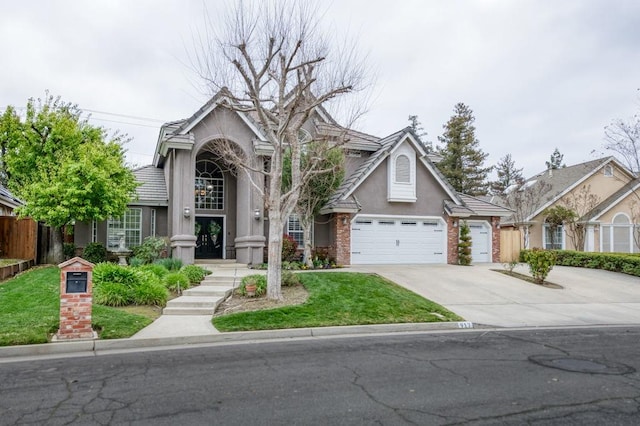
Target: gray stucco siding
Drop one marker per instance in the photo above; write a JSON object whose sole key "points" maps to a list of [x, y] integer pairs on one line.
{"points": [[372, 194]]}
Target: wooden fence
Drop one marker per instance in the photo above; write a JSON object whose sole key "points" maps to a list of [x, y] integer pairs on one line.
{"points": [[510, 244], [18, 238]]}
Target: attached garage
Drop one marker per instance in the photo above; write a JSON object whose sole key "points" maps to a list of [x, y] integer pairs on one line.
{"points": [[398, 240], [480, 241]]}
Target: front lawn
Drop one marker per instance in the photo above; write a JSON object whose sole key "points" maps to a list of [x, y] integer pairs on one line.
{"points": [[342, 298], [30, 311]]}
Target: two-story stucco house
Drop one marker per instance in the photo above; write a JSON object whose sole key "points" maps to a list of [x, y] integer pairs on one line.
{"points": [[393, 206]]}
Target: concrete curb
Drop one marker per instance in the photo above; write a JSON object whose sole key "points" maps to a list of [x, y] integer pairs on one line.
{"points": [[95, 347]]}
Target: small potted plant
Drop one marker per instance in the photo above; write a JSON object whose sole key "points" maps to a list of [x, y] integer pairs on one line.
{"points": [[250, 286]]}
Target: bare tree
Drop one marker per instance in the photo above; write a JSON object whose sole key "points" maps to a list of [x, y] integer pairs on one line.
{"points": [[623, 137], [272, 62], [580, 202], [524, 201]]}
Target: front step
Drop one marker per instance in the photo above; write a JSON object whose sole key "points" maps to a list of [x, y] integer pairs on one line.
{"points": [[208, 290], [194, 302], [188, 311]]}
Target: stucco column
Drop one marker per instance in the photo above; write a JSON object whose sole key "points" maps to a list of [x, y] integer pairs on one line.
{"points": [[182, 212], [495, 239], [250, 240]]}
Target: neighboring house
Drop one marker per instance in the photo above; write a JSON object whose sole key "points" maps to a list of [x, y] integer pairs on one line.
{"points": [[605, 195], [393, 206], [8, 202]]}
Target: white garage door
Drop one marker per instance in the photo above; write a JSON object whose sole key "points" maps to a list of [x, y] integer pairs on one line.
{"points": [[397, 240], [480, 242]]}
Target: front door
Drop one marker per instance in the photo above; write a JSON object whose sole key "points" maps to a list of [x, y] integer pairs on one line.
{"points": [[210, 233]]}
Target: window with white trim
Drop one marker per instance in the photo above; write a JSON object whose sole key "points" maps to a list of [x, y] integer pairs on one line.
{"points": [[94, 231], [403, 169], [128, 226], [152, 231], [553, 241], [209, 185], [401, 175], [608, 170], [294, 229]]}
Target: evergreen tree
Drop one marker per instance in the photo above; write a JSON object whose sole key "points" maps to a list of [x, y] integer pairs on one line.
{"points": [[508, 175], [464, 245], [462, 158], [417, 128], [555, 161]]}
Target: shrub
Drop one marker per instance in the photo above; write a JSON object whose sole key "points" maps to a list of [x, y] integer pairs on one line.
{"points": [[95, 253], [112, 294], [540, 263], [176, 281], [289, 279], [151, 249], [260, 281], [149, 290], [464, 245], [135, 261], [291, 266], [69, 250], [111, 273], [615, 262], [195, 273], [170, 263], [157, 269], [289, 248]]}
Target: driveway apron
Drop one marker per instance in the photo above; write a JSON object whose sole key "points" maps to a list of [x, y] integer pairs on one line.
{"points": [[483, 296]]}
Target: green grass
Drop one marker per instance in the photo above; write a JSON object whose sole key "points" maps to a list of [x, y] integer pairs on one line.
{"points": [[342, 298], [30, 311]]}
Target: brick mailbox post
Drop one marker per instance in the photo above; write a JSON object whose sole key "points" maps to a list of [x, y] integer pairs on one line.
{"points": [[75, 300]]}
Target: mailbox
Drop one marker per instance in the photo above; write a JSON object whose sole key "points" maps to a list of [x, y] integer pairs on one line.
{"points": [[76, 282]]}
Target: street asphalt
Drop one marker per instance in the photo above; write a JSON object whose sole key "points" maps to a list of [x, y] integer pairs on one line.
{"points": [[483, 297]]}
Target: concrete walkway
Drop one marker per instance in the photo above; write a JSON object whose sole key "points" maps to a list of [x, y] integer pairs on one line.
{"points": [[190, 314], [483, 296]]}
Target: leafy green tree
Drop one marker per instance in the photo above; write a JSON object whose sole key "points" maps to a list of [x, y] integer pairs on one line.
{"points": [[417, 128], [555, 161], [464, 245], [64, 169], [315, 192], [10, 127], [508, 175], [462, 159], [556, 217]]}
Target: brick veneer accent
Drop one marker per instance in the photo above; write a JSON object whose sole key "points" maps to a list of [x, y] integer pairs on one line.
{"points": [[495, 239], [75, 308], [452, 240], [342, 238]]}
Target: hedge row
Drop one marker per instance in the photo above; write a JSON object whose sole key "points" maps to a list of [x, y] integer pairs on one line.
{"points": [[615, 262]]}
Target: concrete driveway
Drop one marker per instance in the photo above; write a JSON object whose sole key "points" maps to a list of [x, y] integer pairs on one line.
{"points": [[483, 296]]}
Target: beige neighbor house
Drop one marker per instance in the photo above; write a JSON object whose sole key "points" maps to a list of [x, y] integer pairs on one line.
{"points": [[604, 194], [8, 203], [393, 206]]}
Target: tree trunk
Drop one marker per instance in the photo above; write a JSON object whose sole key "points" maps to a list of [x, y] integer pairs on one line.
{"points": [[274, 269], [55, 254], [306, 232]]}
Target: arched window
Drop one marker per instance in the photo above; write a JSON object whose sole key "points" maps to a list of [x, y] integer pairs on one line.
{"points": [[209, 185], [403, 169]]}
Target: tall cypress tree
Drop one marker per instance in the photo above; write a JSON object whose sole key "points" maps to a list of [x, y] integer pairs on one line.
{"points": [[462, 159]]}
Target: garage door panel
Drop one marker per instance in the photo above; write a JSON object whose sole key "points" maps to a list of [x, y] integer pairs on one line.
{"points": [[397, 240], [480, 242]]}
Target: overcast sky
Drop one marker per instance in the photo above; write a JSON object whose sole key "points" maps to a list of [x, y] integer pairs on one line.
{"points": [[537, 74]]}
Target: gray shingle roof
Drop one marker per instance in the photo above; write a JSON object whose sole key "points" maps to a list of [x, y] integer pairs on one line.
{"points": [[8, 198], [153, 189], [481, 207], [563, 179]]}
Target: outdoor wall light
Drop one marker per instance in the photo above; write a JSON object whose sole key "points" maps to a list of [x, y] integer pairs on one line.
{"points": [[455, 223], [257, 214], [344, 220], [187, 212]]}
